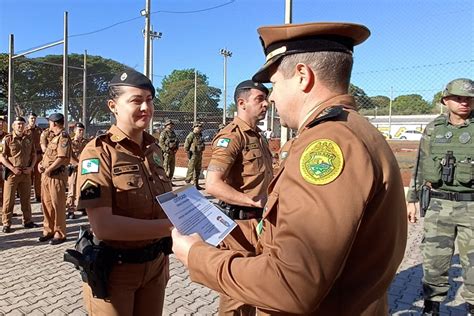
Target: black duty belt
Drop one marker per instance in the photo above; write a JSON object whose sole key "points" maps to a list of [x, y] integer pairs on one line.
{"points": [[452, 196], [144, 254], [240, 212]]}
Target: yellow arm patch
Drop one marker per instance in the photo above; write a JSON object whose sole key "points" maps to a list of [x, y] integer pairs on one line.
{"points": [[321, 162]]}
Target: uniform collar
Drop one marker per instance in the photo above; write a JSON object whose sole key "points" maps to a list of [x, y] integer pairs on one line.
{"points": [[345, 100], [244, 126], [118, 135], [18, 136]]}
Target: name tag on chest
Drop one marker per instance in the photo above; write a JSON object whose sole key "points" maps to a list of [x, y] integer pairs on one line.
{"points": [[124, 169]]}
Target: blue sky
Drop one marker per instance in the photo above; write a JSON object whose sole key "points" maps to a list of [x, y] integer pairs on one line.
{"points": [[416, 46]]}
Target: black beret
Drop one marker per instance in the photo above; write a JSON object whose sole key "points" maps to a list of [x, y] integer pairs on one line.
{"points": [[33, 114], [133, 78], [56, 117], [249, 84], [287, 39], [20, 119], [80, 125]]}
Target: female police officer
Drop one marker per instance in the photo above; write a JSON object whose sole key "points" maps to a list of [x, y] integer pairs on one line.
{"points": [[120, 175]]}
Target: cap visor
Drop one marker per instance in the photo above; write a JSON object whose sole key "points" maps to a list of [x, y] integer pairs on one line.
{"points": [[263, 74]]}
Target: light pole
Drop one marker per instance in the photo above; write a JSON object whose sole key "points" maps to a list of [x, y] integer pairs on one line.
{"points": [[226, 53], [146, 13]]}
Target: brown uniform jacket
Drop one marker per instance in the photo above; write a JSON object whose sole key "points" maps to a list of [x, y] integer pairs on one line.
{"points": [[245, 156], [58, 147], [77, 147], [35, 132], [46, 137], [324, 249], [115, 172], [19, 151]]}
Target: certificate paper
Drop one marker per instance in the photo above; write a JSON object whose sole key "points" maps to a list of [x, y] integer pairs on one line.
{"points": [[190, 212]]}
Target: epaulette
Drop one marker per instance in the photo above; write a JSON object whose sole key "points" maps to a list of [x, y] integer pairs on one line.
{"points": [[326, 115], [440, 120]]}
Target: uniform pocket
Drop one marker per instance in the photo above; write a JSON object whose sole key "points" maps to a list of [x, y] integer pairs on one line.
{"points": [[252, 162], [464, 172], [432, 170], [129, 190]]}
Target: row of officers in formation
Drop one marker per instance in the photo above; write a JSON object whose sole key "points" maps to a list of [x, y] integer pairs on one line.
{"points": [[325, 235]]}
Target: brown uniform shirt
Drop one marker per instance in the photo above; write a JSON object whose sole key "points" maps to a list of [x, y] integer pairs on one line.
{"points": [[19, 151], [77, 147], [115, 172], [58, 147], [334, 228], [35, 132], [46, 137], [245, 156]]}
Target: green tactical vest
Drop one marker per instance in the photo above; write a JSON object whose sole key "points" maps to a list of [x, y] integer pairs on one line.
{"points": [[459, 140]]}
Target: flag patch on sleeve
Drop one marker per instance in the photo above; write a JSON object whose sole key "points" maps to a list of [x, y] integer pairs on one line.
{"points": [[223, 142], [90, 166]]}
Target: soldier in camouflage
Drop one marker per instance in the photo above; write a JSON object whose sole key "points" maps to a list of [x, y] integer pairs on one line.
{"points": [[194, 146], [444, 172], [169, 145]]}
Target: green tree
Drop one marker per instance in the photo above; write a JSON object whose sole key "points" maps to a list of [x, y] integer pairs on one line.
{"points": [[38, 84], [410, 104], [362, 100], [382, 104], [177, 92]]}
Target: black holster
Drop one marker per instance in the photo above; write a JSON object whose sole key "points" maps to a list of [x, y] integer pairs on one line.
{"points": [[93, 260], [239, 212], [58, 171], [425, 197], [5, 173]]}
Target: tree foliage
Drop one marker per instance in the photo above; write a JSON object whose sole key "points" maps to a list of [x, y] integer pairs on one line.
{"points": [[177, 93], [410, 104], [362, 100], [38, 84]]}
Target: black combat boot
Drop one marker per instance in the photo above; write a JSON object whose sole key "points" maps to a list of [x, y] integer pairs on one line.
{"points": [[431, 308]]}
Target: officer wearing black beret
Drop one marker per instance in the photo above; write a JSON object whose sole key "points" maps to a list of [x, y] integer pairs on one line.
{"points": [[133, 78], [54, 177], [18, 158], [35, 132], [121, 173]]}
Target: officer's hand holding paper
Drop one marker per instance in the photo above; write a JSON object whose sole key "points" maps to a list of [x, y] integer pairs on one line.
{"points": [[190, 212]]}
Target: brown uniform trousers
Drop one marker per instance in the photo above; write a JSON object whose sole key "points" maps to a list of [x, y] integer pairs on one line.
{"points": [[19, 151], [35, 132], [114, 172], [77, 147], [334, 228], [246, 158], [2, 135], [53, 189]]}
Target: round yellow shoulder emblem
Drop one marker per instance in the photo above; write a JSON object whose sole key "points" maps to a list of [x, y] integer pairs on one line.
{"points": [[321, 162]]}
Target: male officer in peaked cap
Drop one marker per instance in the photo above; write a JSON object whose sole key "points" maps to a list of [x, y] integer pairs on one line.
{"points": [[444, 177], [324, 246], [169, 144], [54, 179]]}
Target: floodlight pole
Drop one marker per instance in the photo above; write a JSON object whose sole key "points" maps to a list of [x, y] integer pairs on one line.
{"points": [[10, 83], [65, 74], [226, 53]]}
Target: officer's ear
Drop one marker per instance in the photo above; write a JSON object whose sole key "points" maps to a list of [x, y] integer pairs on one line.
{"points": [[305, 76], [112, 106]]}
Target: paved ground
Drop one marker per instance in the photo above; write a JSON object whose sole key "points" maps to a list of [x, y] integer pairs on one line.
{"points": [[34, 280]]}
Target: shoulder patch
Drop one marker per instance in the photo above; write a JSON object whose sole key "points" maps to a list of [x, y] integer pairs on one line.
{"points": [[90, 190], [157, 159], [90, 166], [223, 142], [321, 162]]}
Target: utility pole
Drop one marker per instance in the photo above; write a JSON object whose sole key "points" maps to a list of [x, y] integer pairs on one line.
{"points": [[288, 20], [146, 33], [11, 94], [84, 93], [195, 95], [226, 53], [65, 74]]}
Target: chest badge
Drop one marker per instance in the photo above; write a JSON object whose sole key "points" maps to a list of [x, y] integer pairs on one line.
{"points": [[157, 159], [464, 138], [448, 135], [321, 162]]}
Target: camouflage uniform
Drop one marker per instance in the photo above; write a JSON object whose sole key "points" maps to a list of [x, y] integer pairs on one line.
{"points": [[451, 209], [169, 145], [194, 146]]}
